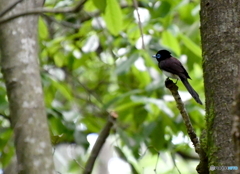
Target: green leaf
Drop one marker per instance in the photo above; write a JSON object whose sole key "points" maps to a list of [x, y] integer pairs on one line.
{"points": [[100, 4], [124, 66], [142, 77], [161, 104], [133, 32], [119, 97], [89, 6], [139, 115], [171, 42], [59, 59], [49, 94], [164, 8], [167, 21], [191, 45], [63, 89], [125, 106], [43, 30], [185, 13], [113, 17], [124, 157], [93, 124], [157, 136]]}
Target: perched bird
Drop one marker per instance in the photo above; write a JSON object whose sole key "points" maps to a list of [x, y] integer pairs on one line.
{"points": [[173, 68]]}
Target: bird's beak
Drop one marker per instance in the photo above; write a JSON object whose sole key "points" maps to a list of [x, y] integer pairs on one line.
{"points": [[154, 56]]}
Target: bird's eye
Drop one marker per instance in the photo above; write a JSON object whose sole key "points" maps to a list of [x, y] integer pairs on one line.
{"points": [[158, 56]]}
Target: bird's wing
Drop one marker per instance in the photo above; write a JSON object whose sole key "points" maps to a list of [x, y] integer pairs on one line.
{"points": [[174, 66]]}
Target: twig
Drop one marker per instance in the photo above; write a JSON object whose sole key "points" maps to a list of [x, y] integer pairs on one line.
{"points": [[99, 143], [36, 11], [5, 117], [63, 23], [174, 90], [9, 8], [90, 92], [155, 169], [202, 168], [174, 162], [74, 157], [139, 22]]}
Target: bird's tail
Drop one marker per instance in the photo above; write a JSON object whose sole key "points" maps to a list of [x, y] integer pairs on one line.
{"points": [[191, 91]]}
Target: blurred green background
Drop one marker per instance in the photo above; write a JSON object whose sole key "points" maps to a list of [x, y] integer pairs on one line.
{"points": [[93, 62]]}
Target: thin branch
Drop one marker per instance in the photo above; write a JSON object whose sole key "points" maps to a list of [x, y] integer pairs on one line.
{"points": [[174, 162], [187, 156], [91, 93], [63, 23], [155, 169], [139, 22], [174, 90], [74, 157], [5, 117], [10, 7], [99, 143], [202, 167], [38, 11]]}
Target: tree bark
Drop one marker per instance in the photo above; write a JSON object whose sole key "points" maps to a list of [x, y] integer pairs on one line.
{"points": [[19, 53], [220, 29], [236, 125]]}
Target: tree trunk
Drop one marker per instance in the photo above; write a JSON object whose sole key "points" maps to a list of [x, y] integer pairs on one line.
{"points": [[236, 124], [19, 52], [221, 61]]}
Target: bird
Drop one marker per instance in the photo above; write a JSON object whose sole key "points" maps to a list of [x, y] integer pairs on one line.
{"points": [[174, 69]]}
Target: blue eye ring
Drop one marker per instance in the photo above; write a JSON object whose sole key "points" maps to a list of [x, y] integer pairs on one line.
{"points": [[158, 56]]}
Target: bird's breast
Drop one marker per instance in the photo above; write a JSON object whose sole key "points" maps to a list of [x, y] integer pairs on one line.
{"points": [[171, 75]]}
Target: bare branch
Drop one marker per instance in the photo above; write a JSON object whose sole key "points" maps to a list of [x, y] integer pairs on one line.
{"points": [[139, 22], [202, 167], [174, 90], [5, 117], [9, 8], [99, 143], [63, 23], [38, 11]]}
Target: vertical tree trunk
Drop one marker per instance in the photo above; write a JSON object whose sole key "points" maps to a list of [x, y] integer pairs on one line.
{"points": [[236, 124], [221, 60], [19, 52]]}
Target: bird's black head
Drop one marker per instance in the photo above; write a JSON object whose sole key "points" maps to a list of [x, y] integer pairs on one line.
{"points": [[162, 54]]}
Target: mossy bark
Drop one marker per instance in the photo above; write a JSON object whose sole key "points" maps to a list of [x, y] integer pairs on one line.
{"points": [[220, 29]]}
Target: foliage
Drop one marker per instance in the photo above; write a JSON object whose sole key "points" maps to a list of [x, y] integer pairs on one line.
{"points": [[93, 62]]}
